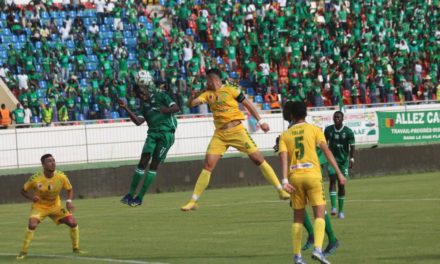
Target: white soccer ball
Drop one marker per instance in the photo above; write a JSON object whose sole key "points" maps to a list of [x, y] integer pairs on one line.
{"points": [[144, 77]]}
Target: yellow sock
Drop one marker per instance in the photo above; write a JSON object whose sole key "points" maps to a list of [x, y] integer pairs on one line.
{"points": [[269, 174], [319, 227], [28, 236], [297, 237], [74, 235], [201, 184]]}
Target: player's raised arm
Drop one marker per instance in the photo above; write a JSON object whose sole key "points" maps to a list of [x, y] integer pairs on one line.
{"points": [[251, 108], [331, 159], [138, 120]]}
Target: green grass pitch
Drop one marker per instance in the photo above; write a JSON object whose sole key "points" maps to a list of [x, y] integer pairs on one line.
{"points": [[393, 219]]}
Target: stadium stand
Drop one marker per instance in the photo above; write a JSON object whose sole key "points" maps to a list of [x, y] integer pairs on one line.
{"points": [[323, 52]]}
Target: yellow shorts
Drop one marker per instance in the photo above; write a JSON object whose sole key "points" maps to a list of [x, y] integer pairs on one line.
{"points": [[307, 190], [56, 213], [237, 137]]}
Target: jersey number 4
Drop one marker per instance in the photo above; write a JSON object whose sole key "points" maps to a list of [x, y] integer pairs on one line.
{"points": [[299, 148]]}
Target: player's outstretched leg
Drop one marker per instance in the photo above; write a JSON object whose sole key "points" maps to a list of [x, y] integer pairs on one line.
{"points": [[271, 177], [201, 185]]}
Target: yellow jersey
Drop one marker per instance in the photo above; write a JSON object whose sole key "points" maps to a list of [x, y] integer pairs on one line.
{"points": [[223, 104], [300, 142], [48, 189]]}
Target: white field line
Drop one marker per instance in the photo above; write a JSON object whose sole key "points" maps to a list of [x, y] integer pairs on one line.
{"points": [[83, 258]]}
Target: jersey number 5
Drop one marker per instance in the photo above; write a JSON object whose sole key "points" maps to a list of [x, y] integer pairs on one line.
{"points": [[299, 148]]}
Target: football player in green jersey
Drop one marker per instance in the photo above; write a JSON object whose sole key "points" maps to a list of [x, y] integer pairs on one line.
{"points": [[340, 140], [157, 109]]}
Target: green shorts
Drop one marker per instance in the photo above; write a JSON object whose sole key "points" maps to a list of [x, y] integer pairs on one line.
{"points": [[343, 166], [158, 144]]}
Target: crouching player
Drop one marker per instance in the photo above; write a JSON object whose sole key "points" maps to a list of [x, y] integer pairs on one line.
{"points": [[43, 189]]}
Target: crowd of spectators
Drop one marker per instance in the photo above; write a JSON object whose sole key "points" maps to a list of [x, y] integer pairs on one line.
{"points": [[73, 61]]}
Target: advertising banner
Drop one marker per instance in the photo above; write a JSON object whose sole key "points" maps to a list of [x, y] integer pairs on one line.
{"points": [[363, 124], [409, 126]]}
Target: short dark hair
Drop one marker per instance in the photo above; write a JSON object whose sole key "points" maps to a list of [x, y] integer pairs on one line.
{"points": [[44, 157], [298, 110], [287, 110], [214, 71], [339, 112]]}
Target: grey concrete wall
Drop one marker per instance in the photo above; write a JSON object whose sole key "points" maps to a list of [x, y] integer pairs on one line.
{"points": [[230, 172]]}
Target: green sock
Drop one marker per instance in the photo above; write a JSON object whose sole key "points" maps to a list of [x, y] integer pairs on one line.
{"points": [[341, 201], [333, 199], [329, 229], [151, 175], [137, 176], [308, 224]]}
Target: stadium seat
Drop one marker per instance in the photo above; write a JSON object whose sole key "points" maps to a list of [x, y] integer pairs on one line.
{"points": [[70, 44], [91, 66], [72, 14], [127, 34], [18, 46], [36, 119], [266, 106], [258, 99], [95, 108], [53, 14], [87, 21], [4, 54], [44, 15], [42, 85], [143, 20], [81, 117], [114, 115], [108, 20], [84, 83], [6, 32], [62, 14], [38, 45], [22, 38], [88, 43], [250, 91]]}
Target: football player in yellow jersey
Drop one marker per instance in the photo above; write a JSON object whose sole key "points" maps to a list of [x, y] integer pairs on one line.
{"points": [[302, 177], [224, 102], [43, 189]]}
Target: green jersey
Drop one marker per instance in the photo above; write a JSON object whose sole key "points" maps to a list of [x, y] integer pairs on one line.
{"points": [[339, 142], [157, 121], [18, 115]]}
